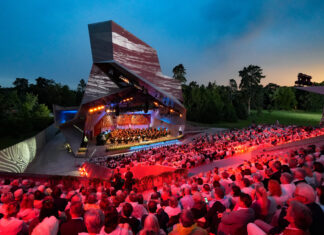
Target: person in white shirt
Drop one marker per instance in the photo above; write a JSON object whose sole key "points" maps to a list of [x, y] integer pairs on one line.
{"points": [[288, 188], [10, 224], [173, 209]]}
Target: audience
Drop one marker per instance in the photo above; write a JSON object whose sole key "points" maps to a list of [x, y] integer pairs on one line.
{"points": [[273, 192]]}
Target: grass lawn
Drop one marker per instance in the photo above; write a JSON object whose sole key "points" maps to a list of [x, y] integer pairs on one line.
{"points": [[284, 117]]}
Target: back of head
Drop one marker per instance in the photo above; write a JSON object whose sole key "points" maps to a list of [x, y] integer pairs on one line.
{"points": [[276, 165], [186, 218], [173, 202], [274, 188], [305, 193], [300, 214], [300, 173], [48, 208], [219, 192], [132, 197], [92, 198], [94, 220], [151, 223], [7, 197], [76, 209], [152, 206], [225, 175], [246, 182], [111, 218], [286, 178], [127, 209], [56, 192], [236, 191], [76, 198], [187, 191], [246, 199], [318, 167], [27, 201], [12, 209], [206, 187]]}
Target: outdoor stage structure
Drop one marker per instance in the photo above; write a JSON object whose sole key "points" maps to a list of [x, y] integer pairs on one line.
{"points": [[125, 89]]}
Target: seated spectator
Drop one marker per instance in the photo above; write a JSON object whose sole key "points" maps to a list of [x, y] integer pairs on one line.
{"points": [[305, 194], [48, 214], [39, 196], [235, 222], [59, 202], [187, 225], [318, 173], [263, 206], [299, 175], [199, 209], [10, 224], [91, 202], [162, 217], [276, 171], [76, 224], [320, 196], [235, 194], [127, 218], [151, 226], [220, 197], [187, 201], [18, 194], [111, 224], [276, 193], [94, 220], [245, 186], [6, 198], [299, 218], [27, 211], [173, 208], [138, 209], [288, 188]]}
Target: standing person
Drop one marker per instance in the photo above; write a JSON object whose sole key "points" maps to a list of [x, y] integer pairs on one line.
{"points": [[129, 181]]}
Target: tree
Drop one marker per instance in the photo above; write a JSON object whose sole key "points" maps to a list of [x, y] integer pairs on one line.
{"points": [[179, 73], [284, 98], [233, 85], [81, 86], [21, 85], [80, 90], [269, 91], [250, 79]]}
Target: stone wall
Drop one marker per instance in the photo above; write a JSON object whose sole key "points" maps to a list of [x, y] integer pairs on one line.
{"points": [[17, 157]]}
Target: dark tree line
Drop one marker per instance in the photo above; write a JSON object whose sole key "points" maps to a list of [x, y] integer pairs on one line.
{"points": [[26, 108], [49, 92]]}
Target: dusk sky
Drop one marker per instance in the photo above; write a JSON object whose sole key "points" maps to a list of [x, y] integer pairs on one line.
{"points": [[212, 39]]}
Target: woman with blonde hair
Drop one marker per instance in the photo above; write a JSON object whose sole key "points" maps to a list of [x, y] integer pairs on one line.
{"points": [[151, 226], [27, 211]]}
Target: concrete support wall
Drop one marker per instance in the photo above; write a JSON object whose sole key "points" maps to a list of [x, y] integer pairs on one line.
{"points": [[17, 157]]}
